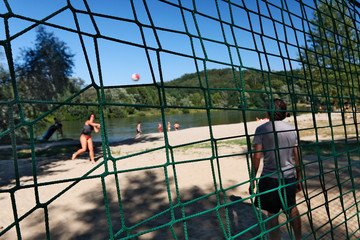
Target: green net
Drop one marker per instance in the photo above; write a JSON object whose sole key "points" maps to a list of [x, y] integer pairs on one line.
{"points": [[193, 183]]}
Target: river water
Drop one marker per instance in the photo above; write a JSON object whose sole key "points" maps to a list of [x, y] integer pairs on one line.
{"points": [[124, 128]]}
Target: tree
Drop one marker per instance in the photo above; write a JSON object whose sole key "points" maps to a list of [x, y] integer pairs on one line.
{"points": [[6, 94], [5, 85], [45, 71], [330, 55], [197, 99]]}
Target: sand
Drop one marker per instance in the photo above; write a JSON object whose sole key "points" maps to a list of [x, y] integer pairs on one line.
{"points": [[77, 200]]}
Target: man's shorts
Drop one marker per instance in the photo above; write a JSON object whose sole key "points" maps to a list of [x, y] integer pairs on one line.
{"points": [[271, 201]]}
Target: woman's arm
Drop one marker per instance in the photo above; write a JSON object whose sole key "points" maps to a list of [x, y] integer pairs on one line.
{"points": [[96, 126]]}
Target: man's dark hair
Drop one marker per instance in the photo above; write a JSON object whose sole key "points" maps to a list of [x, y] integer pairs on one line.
{"points": [[278, 105]]}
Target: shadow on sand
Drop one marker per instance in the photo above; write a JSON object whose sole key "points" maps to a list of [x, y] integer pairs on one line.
{"points": [[145, 206], [45, 164]]}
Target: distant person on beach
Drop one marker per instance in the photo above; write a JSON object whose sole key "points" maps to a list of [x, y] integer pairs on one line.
{"points": [[283, 155], [169, 127], [160, 127], [58, 126], [85, 138], [138, 129], [347, 106], [176, 126]]}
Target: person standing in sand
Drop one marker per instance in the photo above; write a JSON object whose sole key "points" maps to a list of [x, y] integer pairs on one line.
{"points": [[169, 127], [58, 125], [160, 127], [283, 155], [85, 138], [138, 129]]}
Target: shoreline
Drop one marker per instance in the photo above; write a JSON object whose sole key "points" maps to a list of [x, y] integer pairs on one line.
{"points": [[219, 131]]}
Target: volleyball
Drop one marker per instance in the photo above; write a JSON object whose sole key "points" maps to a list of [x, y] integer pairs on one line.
{"points": [[135, 77]]}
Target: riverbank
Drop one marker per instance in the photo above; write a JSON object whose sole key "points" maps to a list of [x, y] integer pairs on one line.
{"points": [[148, 174], [303, 121]]}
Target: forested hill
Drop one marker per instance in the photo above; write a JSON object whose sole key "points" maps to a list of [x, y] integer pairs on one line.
{"points": [[227, 89], [217, 78], [226, 86]]}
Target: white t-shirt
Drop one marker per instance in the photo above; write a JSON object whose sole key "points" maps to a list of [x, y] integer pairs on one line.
{"points": [[287, 138]]}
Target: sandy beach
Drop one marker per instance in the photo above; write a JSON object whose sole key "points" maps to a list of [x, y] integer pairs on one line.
{"points": [[155, 187]]}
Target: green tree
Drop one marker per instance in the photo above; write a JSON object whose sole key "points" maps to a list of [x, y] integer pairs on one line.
{"points": [[5, 85], [143, 95], [330, 54], [197, 99], [216, 99], [6, 94], [45, 70]]}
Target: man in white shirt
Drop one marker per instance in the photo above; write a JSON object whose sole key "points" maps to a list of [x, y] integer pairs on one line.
{"points": [[279, 147]]}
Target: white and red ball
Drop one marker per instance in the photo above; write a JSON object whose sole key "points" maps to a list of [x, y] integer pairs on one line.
{"points": [[135, 77]]}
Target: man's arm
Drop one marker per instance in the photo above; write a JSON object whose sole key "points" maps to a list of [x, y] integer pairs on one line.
{"points": [[254, 166], [297, 167]]}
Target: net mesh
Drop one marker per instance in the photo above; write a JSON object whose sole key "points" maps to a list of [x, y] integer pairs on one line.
{"points": [[313, 46]]}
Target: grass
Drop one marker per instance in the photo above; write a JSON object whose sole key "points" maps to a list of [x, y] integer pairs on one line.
{"points": [[241, 142], [328, 148], [223, 143], [324, 128]]}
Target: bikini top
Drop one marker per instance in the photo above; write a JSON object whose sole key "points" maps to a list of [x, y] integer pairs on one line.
{"points": [[87, 130]]}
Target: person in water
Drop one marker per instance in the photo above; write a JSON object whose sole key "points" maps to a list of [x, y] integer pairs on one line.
{"points": [[85, 138]]}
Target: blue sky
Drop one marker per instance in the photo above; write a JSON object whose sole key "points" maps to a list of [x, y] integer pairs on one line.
{"points": [[120, 42]]}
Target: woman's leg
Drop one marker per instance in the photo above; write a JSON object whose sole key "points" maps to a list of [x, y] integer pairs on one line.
{"points": [[82, 149], [91, 149]]}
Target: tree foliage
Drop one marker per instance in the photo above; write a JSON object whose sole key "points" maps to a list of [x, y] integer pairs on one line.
{"points": [[217, 88], [6, 94], [42, 74], [47, 66], [233, 89], [45, 70], [331, 58]]}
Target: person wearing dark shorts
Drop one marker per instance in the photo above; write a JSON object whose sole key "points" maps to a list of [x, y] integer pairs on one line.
{"points": [[271, 201], [85, 138], [278, 184]]}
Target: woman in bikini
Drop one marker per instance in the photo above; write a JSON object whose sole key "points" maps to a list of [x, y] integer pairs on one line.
{"points": [[85, 138]]}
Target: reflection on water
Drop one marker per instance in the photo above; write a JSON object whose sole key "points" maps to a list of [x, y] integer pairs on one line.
{"points": [[124, 128]]}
